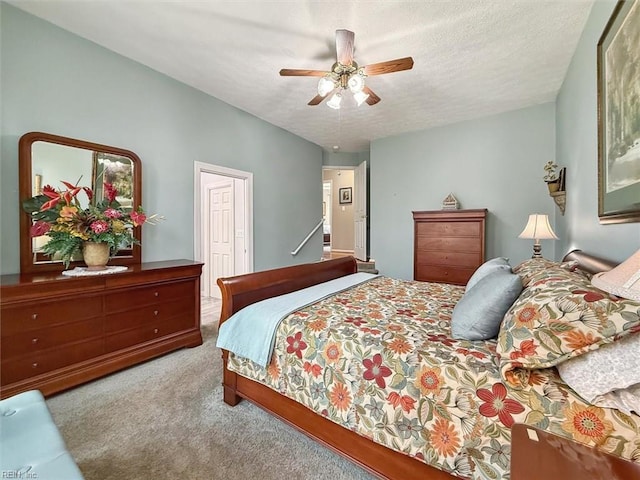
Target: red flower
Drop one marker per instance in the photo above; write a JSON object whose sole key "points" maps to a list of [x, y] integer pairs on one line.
{"points": [[589, 296], [110, 191], [99, 226], [466, 352], [375, 370], [372, 331], [357, 321], [312, 368], [39, 228], [527, 348], [405, 401], [496, 403], [138, 218], [112, 213], [296, 345], [443, 339]]}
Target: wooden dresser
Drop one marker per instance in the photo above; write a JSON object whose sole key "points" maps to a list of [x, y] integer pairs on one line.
{"points": [[448, 245], [57, 331]]}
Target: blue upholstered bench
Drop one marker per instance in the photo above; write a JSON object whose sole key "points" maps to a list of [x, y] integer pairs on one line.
{"points": [[31, 446]]}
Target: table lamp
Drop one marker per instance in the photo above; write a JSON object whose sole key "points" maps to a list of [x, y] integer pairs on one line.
{"points": [[537, 229]]}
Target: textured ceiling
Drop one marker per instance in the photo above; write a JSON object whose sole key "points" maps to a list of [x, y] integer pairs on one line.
{"points": [[472, 58]]}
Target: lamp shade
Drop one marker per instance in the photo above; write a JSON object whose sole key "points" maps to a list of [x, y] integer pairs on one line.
{"points": [[623, 281], [334, 102], [360, 97], [325, 85], [538, 228]]}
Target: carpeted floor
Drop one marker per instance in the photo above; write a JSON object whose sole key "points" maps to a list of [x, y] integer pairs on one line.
{"points": [[165, 419]]}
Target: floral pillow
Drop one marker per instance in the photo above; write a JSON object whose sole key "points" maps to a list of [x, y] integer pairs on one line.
{"points": [[543, 270], [559, 315]]}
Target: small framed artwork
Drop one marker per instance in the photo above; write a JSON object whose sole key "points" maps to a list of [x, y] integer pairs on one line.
{"points": [[345, 195], [618, 116]]}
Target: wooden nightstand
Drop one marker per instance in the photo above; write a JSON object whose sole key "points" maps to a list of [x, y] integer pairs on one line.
{"points": [[539, 455]]}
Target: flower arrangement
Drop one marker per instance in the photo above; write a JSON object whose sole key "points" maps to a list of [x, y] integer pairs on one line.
{"points": [[550, 172], [59, 215]]}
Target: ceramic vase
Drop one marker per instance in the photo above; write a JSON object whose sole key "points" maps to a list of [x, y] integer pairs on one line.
{"points": [[96, 255]]}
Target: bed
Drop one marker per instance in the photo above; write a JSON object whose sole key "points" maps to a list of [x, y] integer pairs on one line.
{"points": [[374, 374]]}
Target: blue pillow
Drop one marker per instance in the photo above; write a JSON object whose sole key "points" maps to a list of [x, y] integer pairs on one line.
{"points": [[479, 313], [490, 266]]}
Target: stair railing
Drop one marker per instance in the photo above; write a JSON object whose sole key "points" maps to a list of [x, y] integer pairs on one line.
{"points": [[306, 239]]}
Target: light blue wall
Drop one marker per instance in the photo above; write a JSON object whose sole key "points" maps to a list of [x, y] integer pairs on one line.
{"points": [[343, 159], [56, 82], [494, 163], [577, 149]]}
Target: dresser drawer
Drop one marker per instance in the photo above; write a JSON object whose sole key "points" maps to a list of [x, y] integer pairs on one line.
{"points": [[448, 244], [147, 333], [441, 274], [34, 364], [454, 259], [133, 318], [148, 295], [449, 229], [51, 337], [23, 318]]}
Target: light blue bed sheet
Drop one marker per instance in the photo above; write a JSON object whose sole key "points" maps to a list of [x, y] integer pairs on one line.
{"points": [[251, 332]]}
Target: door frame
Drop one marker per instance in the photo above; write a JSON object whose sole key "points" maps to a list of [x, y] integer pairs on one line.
{"points": [[198, 205], [329, 207], [335, 167]]}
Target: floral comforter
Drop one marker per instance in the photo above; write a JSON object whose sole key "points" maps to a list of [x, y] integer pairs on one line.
{"points": [[379, 360]]}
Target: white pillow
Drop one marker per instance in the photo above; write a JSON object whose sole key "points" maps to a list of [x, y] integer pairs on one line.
{"points": [[490, 266], [608, 375]]}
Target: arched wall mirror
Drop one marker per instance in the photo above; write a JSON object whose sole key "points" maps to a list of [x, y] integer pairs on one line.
{"points": [[46, 159]]}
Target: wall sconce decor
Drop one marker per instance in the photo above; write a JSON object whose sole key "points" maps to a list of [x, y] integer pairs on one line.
{"points": [[556, 184]]}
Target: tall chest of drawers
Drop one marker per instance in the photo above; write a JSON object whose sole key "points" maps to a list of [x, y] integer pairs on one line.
{"points": [[448, 245], [57, 332]]}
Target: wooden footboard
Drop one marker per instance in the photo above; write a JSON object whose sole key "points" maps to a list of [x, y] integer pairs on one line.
{"points": [[240, 291]]}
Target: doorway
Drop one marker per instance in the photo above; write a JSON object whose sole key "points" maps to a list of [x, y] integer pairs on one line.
{"points": [[223, 221], [339, 211]]}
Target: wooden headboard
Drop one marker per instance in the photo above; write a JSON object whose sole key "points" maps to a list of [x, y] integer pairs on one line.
{"points": [[589, 263]]}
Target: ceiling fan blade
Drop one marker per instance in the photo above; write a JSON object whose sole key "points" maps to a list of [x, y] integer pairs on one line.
{"points": [[292, 72], [317, 100], [389, 66], [344, 46], [373, 98]]}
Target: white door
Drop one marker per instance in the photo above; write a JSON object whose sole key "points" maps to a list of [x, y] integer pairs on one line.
{"points": [[221, 236], [360, 212]]}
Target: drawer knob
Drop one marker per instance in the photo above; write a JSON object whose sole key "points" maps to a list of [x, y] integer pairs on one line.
{"points": [[156, 294], [34, 340], [34, 365], [155, 330], [34, 316], [155, 312]]}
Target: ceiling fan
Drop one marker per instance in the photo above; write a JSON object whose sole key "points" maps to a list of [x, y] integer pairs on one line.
{"points": [[346, 74]]}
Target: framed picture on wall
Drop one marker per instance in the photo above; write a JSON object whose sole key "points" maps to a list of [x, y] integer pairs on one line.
{"points": [[619, 116], [344, 194]]}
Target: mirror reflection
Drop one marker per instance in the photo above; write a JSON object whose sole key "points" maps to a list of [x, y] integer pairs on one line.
{"points": [[48, 160]]}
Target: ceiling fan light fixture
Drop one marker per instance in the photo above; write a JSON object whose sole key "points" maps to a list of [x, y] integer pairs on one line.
{"points": [[360, 97], [334, 102], [356, 83], [326, 85]]}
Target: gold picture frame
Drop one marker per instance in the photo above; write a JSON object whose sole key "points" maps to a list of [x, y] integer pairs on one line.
{"points": [[619, 116]]}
